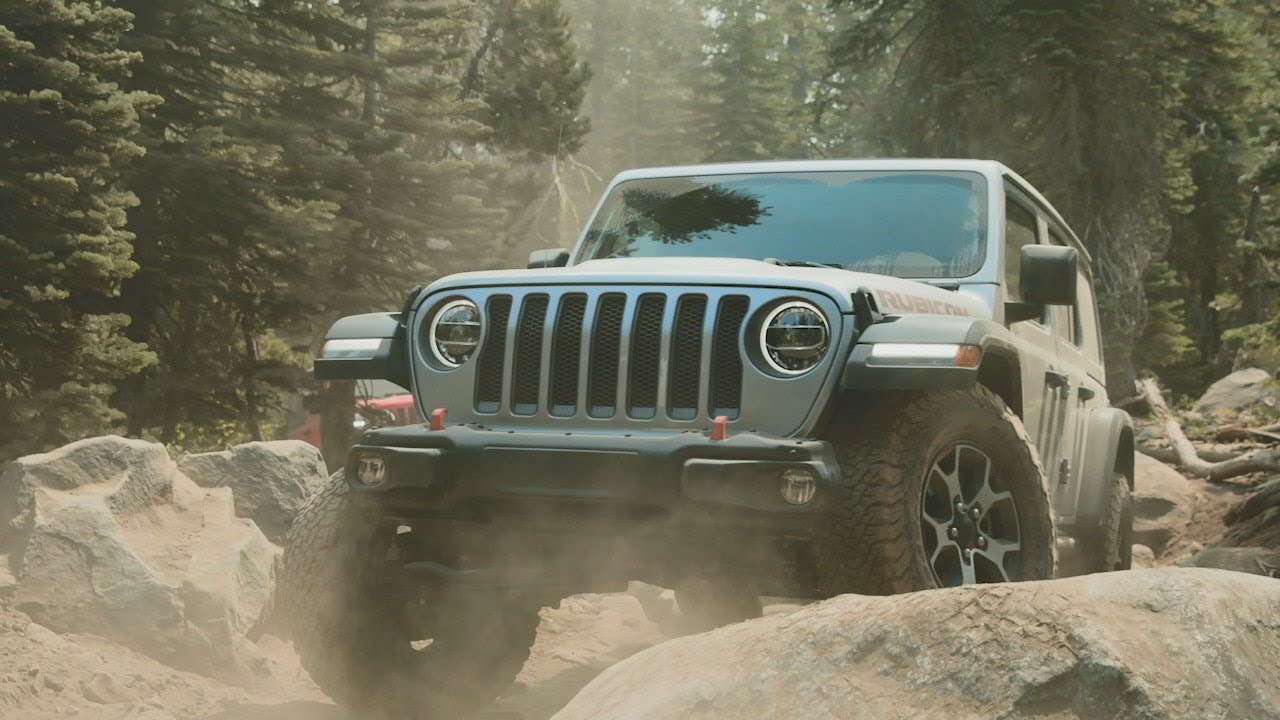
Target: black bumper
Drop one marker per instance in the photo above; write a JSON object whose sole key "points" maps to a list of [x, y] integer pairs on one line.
{"points": [[687, 473]]}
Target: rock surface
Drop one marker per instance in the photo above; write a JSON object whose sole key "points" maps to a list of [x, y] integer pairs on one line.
{"points": [[1257, 561], [106, 536], [270, 480], [1163, 504], [1238, 392], [1141, 644]]}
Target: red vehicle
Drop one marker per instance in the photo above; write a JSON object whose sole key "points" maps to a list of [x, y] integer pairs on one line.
{"points": [[370, 413]]}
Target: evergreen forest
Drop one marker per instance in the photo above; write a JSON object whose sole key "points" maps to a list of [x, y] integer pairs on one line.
{"points": [[191, 191]]}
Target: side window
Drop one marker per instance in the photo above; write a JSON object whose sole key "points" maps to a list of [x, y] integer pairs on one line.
{"points": [[1019, 231], [1088, 336]]}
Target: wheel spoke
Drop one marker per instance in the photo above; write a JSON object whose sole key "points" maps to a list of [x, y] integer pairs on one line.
{"points": [[951, 480], [988, 498], [967, 575], [996, 551], [939, 531]]}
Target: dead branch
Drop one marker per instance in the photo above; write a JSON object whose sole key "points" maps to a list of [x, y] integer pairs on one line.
{"points": [[1212, 452], [1243, 433], [1185, 453]]}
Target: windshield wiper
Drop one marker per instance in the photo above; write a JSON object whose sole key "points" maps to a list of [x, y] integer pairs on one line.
{"points": [[802, 263]]}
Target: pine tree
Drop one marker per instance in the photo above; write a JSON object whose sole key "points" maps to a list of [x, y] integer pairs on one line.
{"points": [[227, 247], [399, 114], [66, 130], [536, 84], [744, 114], [646, 57], [1085, 98]]}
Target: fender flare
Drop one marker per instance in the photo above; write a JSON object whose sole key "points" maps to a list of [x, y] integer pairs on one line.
{"points": [[1108, 447], [999, 368], [388, 361]]}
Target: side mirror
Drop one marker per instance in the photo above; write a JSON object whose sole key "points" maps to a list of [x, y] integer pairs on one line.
{"points": [[557, 257], [1048, 275]]}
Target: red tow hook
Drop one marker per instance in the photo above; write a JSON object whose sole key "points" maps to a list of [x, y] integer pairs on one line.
{"points": [[437, 418], [720, 427]]}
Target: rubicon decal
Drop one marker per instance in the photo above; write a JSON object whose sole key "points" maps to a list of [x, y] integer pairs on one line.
{"points": [[906, 302]]}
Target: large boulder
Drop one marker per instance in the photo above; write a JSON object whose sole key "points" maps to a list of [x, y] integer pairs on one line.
{"points": [[1145, 644], [270, 480], [1237, 393], [106, 536], [1255, 520], [1164, 502]]}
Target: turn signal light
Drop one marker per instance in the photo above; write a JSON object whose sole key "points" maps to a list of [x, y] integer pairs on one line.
{"points": [[925, 355]]}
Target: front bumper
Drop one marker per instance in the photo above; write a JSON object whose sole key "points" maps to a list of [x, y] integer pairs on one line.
{"points": [[466, 468]]}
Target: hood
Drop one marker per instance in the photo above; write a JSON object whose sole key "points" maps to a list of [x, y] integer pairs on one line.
{"points": [[894, 296]]}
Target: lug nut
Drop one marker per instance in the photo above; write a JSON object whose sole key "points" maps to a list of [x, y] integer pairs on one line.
{"points": [[968, 554], [975, 513], [982, 542], [953, 533]]}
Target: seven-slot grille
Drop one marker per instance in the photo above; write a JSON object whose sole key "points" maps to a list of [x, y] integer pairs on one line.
{"points": [[572, 354]]}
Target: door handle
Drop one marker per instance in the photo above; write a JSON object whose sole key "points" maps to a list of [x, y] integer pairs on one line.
{"points": [[1058, 381], [1085, 393]]}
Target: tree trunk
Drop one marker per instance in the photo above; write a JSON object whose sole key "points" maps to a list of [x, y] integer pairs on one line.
{"points": [[252, 411], [1251, 296]]}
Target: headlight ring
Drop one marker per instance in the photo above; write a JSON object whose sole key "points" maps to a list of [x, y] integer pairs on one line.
{"points": [[454, 332], [794, 338]]}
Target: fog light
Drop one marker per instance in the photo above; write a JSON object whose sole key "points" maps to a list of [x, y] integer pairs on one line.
{"points": [[798, 486], [371, 469]]}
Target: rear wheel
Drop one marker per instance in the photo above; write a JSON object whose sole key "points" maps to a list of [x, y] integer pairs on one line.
{"points": [[1109, 547], [940, 489], [354, 632]]}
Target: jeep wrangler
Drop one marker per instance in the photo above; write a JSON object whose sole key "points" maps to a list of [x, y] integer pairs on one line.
{"points": [[793, 379]]}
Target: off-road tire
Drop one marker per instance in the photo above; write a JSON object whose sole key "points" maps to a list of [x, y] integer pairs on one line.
{"points": [[1109, 546], [886, 444], [352, 634]]}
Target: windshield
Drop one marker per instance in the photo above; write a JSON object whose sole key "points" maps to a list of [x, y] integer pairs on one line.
{"points": [[907, 224]]}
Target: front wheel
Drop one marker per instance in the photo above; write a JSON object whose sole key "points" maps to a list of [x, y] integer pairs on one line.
{"points": [[940, 489], [354, 630]]}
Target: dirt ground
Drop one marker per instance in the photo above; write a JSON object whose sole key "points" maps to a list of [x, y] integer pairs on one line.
{"points": [[52, 676]]}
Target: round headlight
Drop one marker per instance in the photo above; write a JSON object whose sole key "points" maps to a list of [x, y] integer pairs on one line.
{"points": [[454, 332], [794, 337]]}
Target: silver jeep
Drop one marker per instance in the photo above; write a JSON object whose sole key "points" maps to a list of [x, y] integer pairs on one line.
{"points": [[789, 379]]}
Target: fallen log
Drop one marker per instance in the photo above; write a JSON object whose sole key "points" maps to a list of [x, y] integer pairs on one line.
{"points": [[1185, 453], [1212, 452], [1259, 500], [1245, 433]]}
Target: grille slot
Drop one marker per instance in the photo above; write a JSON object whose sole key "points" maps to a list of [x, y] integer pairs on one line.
{"points": [[527, 360], [646, 355], [493, 355], [726, 357], [686, 358], [566, 347], [606, 344]]}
